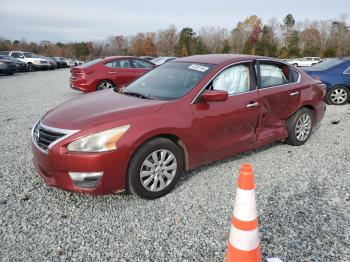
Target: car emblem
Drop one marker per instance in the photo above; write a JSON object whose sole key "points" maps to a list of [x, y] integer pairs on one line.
{"points": [[37, 136]]}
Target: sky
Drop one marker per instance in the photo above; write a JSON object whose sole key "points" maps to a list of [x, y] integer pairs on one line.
{"points": [[86, 20]]}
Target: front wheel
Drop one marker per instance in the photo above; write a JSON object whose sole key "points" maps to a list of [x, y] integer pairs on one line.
{"points": [[155, 168], [299, 127], [338, 95], [104, 84]]}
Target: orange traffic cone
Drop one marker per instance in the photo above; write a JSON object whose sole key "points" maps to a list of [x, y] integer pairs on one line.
{"points": [[244, 244]]}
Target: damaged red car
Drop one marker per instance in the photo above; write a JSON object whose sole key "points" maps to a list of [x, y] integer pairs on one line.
{"points": [[184, 114]]}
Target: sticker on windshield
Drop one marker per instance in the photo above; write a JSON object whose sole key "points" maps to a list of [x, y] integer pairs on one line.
{"points": [[199, 68]]}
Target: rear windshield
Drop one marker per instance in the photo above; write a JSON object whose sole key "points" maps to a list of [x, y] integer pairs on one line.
{"points": [[90, 63], [329, 63]]}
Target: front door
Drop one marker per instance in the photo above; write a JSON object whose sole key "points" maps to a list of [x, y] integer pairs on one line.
{"points": [[222, 128], [120, 71]]}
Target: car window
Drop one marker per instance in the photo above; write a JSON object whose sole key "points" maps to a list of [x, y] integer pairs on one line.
{"points": [[234, 80], [120, 63], [273, 75], [141, 64], [17, 55], [347, 71], [293, 76]]}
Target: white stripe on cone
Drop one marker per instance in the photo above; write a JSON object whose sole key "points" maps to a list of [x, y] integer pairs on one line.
{"points": [[245, 205], [244, 240]]}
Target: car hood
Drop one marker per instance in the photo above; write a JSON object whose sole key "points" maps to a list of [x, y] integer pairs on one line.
{"points": [[94, 109]]}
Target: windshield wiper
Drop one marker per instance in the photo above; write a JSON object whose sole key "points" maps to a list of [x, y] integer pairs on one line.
{"points": [[136, 95]]}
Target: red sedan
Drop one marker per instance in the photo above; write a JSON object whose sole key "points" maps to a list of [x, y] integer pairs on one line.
{"points": [[179, 116], [110, 72]]}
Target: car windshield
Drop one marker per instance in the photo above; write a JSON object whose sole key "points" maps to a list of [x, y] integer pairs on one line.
{"points": [[170, 81], [30, 55], [329, 63], [90, 63]]}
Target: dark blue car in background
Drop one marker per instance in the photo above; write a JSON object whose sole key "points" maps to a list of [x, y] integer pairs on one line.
{"points": [[335, 74]]}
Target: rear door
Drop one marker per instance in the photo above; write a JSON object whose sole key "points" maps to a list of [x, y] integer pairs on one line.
{"points": [[120, 71], [280, 93], [222, 128], [141, 67]]}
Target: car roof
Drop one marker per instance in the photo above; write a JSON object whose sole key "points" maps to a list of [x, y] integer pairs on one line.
{"points": [[219, 58]]}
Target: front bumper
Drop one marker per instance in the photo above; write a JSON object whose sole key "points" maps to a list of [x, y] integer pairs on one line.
{"points": [[54, 168]]}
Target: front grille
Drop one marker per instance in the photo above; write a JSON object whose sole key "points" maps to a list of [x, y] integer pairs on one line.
{"points": [[44, 137]]}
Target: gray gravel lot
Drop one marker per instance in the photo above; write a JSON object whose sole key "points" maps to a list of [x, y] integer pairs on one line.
{"points": [[303, 197]]}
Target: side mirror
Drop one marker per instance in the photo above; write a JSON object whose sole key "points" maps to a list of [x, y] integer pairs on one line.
{"points": [[214, 95]]}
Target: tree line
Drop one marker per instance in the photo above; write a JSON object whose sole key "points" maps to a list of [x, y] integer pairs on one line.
{"points": [[286, 39]]}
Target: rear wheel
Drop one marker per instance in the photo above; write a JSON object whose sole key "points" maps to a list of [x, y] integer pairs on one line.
{"points": [[104, 84], [155, 168], [338, 95], [299, 127]]}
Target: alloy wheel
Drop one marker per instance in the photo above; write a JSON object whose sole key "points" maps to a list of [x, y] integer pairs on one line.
{"points": [[158, 170], [303, 127], [339, 96], [104, 85]]}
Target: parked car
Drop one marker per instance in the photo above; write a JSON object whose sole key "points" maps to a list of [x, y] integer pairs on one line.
{"points": [[305, 61], [21, 66], [181, 115], [7, 67], [335, 74], [162, 60], [52, 63], [61, 62], [33, 61], [71, 62], [116, 71]]}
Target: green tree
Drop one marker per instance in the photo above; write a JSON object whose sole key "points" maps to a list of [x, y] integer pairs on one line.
{"points": [[226, 48], [187, 42], [293, 41], [267, 46]]}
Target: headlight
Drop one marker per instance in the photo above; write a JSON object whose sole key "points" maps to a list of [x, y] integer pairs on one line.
{"points": [[99, 142], [36, 62]]}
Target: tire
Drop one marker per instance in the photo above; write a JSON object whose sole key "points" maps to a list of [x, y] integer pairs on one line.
{"points": [[104, 84], [149, 186], [297, 125], [338, 95]]}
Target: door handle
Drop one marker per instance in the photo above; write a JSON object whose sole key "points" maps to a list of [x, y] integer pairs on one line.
{"points": [[251, 105], [112, 72], [294, 93]]}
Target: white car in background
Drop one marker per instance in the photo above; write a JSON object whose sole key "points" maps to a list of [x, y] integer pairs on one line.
{"points": [[33, 61], [305, 61]]}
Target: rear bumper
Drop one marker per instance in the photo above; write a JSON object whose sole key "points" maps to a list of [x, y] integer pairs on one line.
{"points": [[81, 85], [55, 166]]}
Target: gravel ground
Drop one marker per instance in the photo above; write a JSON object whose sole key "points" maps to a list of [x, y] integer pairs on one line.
{"points": [[302, 196]]}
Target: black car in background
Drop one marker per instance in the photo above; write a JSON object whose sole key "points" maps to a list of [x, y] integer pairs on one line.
{"points": [[7, 67], [21, 66], [53, 63], [61, 62]]}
